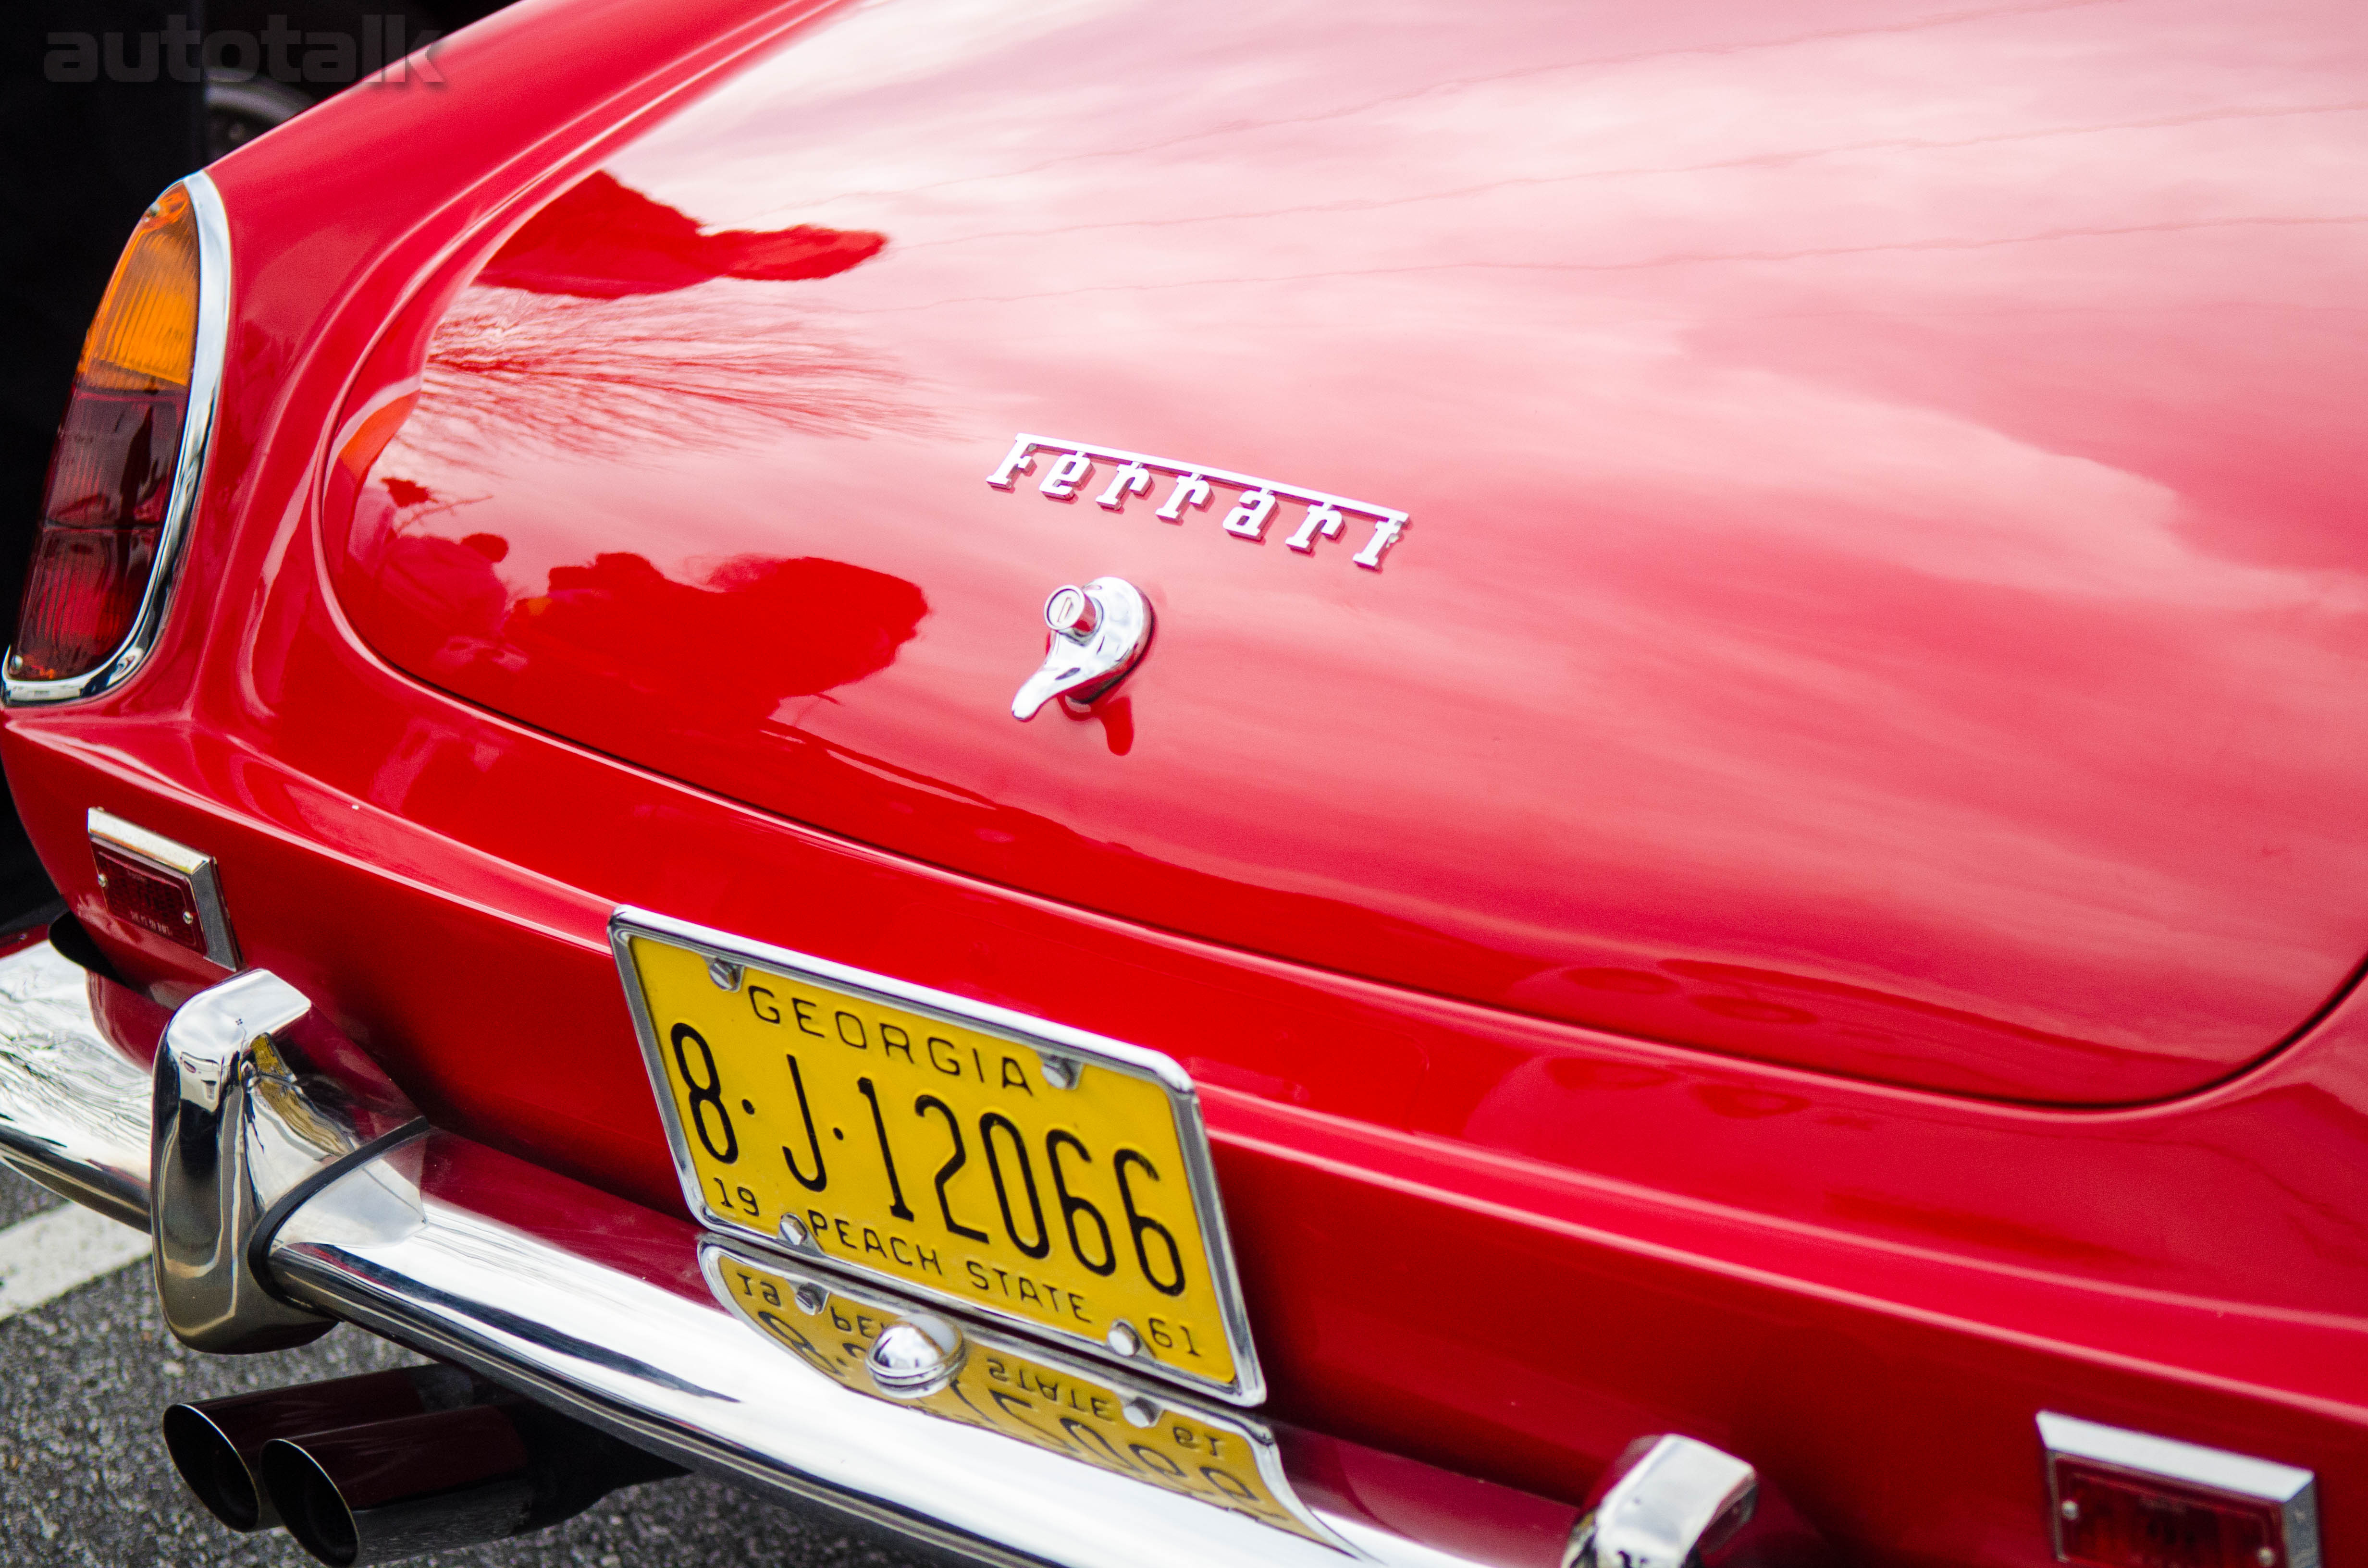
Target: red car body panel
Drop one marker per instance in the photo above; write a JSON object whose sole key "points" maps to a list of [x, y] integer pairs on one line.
{"points": [[1470, 1233], [1843, 622]]}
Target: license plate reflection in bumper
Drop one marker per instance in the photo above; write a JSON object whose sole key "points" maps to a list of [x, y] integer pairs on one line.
{"points": [[1124, 1427]]}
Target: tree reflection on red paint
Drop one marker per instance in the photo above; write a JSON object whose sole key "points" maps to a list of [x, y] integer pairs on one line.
{"points": [[614, 377], [588, 333], [603, 240]]}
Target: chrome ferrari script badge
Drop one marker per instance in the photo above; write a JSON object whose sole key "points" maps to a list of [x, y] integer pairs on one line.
{"points": [[1192, 487]]}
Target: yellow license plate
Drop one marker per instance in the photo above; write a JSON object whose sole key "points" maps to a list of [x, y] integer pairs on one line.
{"points": [[1018, 1168], [1126, 1429]]}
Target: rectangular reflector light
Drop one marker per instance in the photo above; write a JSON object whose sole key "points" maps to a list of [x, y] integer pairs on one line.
{"points": [[169, 889], [2123, 1499]]}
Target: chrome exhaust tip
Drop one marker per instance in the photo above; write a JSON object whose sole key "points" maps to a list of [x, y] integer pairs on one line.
{"points": [[444, 1480], [216, 1444], [211, 1464], [396, 1489]]}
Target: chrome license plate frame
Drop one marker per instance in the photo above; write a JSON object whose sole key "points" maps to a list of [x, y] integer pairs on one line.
{"points": [[1045, 1043]]}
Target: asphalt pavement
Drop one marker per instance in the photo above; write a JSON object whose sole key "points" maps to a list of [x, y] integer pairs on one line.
{"points": [[84, 1479]]}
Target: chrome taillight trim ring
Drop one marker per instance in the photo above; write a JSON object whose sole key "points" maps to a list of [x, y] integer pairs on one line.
{"points": [[196, 428]]}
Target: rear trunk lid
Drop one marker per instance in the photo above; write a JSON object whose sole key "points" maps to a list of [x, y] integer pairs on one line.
{"points": [[1879, 591]]}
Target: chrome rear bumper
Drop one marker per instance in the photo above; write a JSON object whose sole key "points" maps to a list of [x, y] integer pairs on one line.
{"points": [[599, 1308], [73, 1110]]}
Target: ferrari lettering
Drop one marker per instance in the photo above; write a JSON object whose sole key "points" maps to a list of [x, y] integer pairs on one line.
{"points": [[1062, 482], [1132, 480], [1194, 487], [1249, 519], [1191, 490]]}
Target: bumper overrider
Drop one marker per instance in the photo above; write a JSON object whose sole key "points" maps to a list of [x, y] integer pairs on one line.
{"points": [[289, 1187]]}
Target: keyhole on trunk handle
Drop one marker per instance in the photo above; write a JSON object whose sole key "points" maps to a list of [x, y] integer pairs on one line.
{"points": [[1099, 632]]}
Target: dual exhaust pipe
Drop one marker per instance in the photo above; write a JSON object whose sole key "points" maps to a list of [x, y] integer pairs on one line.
{"points": [[388, 1465]]}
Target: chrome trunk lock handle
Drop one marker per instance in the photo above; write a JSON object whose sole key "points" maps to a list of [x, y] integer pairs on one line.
{"points": [[1098, 633]]}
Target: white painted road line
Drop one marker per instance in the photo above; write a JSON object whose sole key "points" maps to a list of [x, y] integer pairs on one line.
{"points": [[45, 1257]]}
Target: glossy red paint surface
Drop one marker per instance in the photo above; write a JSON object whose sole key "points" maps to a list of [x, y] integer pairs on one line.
{"points": [[1879, 597], [1500, 1242]]}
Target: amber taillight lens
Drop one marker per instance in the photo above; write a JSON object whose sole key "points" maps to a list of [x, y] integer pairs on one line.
{"points": [[111, 473]]}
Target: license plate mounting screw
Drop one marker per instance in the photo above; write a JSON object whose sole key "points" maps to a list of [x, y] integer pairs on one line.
{"points": [[793, 1232], [1123, 1339], [724, 973], [1061, 1072], [916, 1357], [1139, 1410], [810, 1300]]}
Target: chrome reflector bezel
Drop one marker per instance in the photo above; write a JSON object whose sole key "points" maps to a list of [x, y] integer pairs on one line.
{"points": [[192, 869], [197, 425], [2293, 1492]]}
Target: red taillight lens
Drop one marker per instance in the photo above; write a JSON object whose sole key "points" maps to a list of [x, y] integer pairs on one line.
{"points": [[2119, 1521], [119, 449]]}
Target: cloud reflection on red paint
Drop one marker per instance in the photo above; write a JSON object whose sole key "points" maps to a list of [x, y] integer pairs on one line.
{"points": [[603, 240]]}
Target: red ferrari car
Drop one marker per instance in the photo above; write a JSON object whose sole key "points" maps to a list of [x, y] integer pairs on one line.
{"points": [[1539, 785]]}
